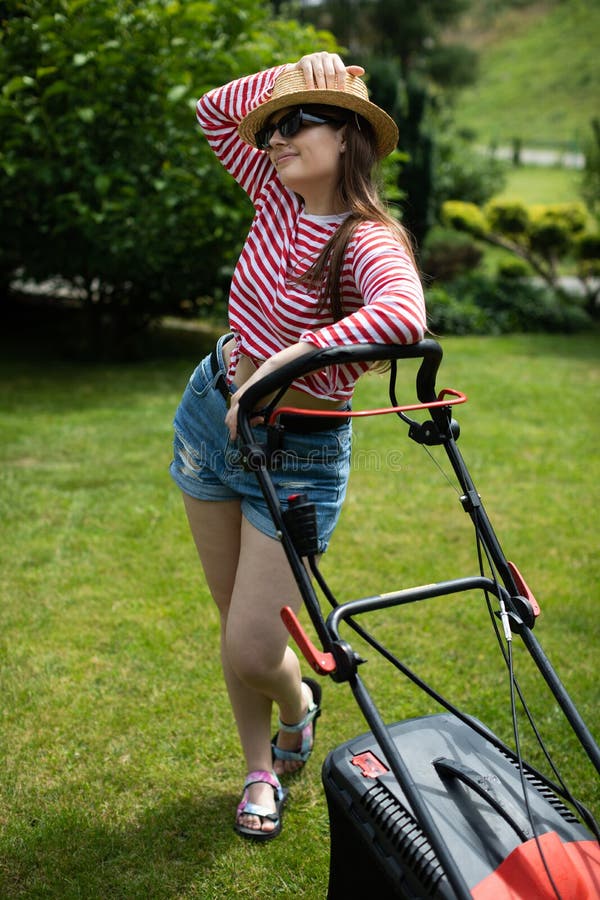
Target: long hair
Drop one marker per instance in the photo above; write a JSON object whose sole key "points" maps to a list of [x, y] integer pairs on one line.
{"points": [[357, 191]]}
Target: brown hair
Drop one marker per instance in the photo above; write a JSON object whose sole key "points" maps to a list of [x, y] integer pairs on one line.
{"points": [[358, 192]]}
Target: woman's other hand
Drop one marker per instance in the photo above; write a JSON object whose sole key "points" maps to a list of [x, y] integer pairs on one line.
{"points": [[290, 354]]}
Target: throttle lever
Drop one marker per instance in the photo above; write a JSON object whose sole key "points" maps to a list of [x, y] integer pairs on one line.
{"points": [[322, 663]]}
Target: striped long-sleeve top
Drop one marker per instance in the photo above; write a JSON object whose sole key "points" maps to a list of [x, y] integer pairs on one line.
{"points": [[268, 310]]}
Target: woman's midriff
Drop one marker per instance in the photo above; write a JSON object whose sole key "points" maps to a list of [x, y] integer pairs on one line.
{"points": [[245, 368]]}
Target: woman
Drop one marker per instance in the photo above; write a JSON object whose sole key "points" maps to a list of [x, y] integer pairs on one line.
{"points": [[323, 265]]}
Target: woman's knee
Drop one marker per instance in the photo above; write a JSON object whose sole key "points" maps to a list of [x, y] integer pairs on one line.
{"points": [[253, 661]]}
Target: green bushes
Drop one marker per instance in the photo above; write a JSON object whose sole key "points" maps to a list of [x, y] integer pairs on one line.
{"points": [[448, 254], [544, 237], [104, 178], [525, 291], [483, 304]]}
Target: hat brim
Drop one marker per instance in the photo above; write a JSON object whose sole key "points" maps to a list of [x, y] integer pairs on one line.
{"points": [[386, 130]]}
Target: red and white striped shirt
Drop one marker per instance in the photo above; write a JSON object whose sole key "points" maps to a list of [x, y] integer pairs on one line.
{"points": [[268, 310]]}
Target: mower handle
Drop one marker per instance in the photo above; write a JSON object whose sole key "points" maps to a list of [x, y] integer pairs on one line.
{"points": [[428, 350]]}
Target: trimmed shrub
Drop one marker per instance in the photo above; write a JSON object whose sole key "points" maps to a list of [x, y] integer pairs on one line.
{"points": [[514, 269], [508, 218], [447, 254], [448, 314], [465, 217], [479, 304]]}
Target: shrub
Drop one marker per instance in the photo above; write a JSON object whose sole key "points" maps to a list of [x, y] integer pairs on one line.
{"points": [[104, 178], [461, 172], [554, 227], [508, 218], [513, 269], [543, 236], [587, 252], [480, 304], [447, 254], [523, 306], [450, 314], [465, 217]]}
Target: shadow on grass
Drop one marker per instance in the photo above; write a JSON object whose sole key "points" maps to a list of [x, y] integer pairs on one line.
{"points": [[37, 371], [36, 329], [66, 854]]}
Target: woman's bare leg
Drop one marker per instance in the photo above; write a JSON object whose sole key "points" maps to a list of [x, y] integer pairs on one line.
{"points": [[250, 581]]}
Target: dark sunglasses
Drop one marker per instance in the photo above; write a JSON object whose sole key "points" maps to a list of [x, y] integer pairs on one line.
{"points": [[290, 124]]}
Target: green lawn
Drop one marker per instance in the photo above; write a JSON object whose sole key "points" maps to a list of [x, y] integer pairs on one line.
{"points": [[539, 74], [121, 769], [539, 184]]}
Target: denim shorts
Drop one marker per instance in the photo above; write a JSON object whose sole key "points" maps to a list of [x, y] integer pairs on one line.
{"points": [[207, 464]]}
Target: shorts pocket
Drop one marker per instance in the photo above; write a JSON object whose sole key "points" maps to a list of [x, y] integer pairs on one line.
{"points": [[202, 379]]}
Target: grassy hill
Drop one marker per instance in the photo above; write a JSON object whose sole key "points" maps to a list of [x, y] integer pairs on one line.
{"points": [[539, 73]]}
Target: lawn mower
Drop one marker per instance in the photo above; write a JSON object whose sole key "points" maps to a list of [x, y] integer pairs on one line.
{"points": [[438, 805]]}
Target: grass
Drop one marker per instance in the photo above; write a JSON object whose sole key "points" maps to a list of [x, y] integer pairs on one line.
{"points": [[539, 74], [121, 768], [540, 184]]}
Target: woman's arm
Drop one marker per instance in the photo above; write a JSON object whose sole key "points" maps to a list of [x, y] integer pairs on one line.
{"points": [[220, 111], [388, 282]]}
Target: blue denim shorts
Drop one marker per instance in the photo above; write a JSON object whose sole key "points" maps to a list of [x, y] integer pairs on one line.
{"points": [[207, 464]]}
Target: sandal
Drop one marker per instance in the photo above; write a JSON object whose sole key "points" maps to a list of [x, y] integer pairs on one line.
{"points": [[262, 812], [307, 727]]}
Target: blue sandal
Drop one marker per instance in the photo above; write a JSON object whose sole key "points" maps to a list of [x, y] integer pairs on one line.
{"points": [[262, 812], [307, 728]]}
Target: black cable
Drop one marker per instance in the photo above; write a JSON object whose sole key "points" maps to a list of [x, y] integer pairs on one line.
{"points": [[562, 788], [508, 658], [524, 786]]}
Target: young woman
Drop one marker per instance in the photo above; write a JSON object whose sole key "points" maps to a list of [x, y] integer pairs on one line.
{"points": [[323, 265]]}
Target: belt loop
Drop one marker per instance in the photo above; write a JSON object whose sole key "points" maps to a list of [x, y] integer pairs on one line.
{"points": [[220, 380]]}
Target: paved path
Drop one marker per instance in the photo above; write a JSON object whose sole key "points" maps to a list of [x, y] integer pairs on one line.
{"points": [[530, 156]]}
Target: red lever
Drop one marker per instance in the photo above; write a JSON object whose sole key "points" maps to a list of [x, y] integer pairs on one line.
{"points": [[458, 397], [322, 663], [524, 588]]}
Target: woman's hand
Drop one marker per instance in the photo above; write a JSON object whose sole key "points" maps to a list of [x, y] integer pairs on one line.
{"points": [[296, 351], [326, 70]]}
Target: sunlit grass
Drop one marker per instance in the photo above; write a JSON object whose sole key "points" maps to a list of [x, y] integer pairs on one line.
{"points": [[121, 769], [538, 75], [541, 184]]}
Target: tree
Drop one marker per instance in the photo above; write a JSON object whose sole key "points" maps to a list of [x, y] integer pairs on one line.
{"points": [[104, 179], [590, 183], [541, 236], [412, 74], [411, 32]]}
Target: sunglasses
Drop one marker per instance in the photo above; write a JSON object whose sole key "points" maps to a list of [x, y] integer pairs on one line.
{"points": [[290, 124]]}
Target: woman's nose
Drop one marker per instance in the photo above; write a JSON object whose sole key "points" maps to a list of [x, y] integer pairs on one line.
{"points": [[277, 138]]}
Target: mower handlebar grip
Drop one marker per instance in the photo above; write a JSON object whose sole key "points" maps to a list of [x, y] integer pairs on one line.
{"points": [[428, 350]]}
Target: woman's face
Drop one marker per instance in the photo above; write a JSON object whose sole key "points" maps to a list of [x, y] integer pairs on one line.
{"points": [[309, 162]]}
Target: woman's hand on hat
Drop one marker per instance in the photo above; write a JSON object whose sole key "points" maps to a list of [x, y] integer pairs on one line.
{"points": [[326, 70]]}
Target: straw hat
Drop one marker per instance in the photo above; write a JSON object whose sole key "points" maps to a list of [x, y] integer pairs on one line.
{"points": [[290, 90]]}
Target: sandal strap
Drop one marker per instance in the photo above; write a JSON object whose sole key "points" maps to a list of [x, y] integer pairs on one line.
{"points": [[313, 710], [246, 808], [261, 776]]}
